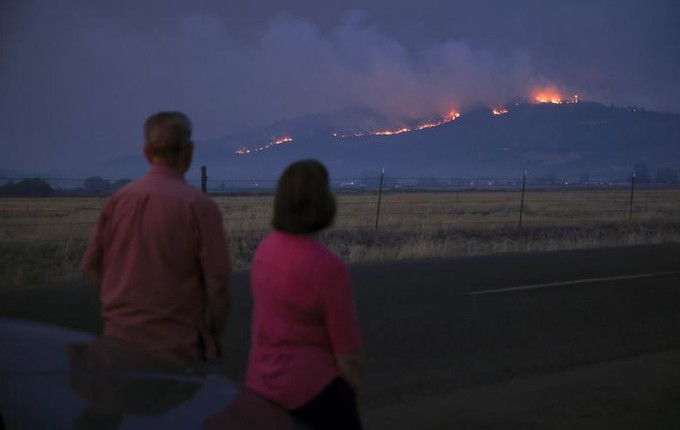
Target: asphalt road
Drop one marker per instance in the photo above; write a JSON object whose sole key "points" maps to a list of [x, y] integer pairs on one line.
{"points": [[568, 339]]}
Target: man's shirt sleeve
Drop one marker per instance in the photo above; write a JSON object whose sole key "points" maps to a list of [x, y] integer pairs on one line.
{"points": [[92, 263]]}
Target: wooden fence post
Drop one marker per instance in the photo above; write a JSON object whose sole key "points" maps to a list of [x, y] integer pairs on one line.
{"points": [[632, 192], [377, 214], [521, 203]]}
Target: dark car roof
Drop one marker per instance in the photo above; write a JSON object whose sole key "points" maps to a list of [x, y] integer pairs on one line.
{"points": [[53, 377]]}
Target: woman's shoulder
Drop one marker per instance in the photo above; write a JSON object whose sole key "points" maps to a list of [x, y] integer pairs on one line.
{"points": [[325, 257], [300, 247]]}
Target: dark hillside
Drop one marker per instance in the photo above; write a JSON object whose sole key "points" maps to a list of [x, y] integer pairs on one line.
{"points": [[563, 140]]}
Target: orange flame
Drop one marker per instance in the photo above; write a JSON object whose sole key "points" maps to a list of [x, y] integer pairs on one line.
{"points": [[451, 116], [448, 118], [274, 142], [391, 132], [548, 94], [552, 95], [428, 125]]}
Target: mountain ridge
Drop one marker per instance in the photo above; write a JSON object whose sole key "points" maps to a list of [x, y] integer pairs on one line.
{"points": [[565, 140]]}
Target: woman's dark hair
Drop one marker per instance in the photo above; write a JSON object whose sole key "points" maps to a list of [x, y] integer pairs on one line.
{"points": [[303, 203]]}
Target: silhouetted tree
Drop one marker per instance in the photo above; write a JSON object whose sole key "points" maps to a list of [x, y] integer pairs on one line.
{"points": [[28, 187]]}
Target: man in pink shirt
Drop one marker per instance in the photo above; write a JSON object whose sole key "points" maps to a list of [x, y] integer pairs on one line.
{"points": [[159, 255], [305, 352]]}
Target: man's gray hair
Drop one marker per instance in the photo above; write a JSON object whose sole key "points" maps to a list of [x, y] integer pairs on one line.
{"points": [[166, 134]]}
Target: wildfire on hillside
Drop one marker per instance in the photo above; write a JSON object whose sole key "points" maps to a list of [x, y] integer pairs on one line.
{"points": [[549, 94], [390, 132], [270, 144]]}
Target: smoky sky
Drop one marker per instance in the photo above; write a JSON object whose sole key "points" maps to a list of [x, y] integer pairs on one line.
{"points": [[78, 78]]}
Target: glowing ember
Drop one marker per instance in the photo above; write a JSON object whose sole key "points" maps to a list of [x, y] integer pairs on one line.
{"points": [[499, 111], [278, 141]]}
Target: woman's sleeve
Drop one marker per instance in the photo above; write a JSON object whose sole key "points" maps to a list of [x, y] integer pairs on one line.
{"points": [[340, 313]]}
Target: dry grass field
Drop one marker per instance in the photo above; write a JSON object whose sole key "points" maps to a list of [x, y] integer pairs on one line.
{"points": [[43, 238]]}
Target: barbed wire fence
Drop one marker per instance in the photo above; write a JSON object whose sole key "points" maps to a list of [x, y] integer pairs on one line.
{"points": [[44, 237], [362, 186]]}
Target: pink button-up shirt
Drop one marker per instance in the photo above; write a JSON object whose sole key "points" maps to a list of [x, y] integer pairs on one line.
{"points": [[154, 242], [303, 316]]}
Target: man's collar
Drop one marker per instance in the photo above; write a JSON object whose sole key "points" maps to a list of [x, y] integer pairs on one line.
{"points": [[158, 169]]}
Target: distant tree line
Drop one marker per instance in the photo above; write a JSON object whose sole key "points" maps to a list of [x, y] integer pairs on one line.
{"points": [[100, 186], [39, 187], [28, 187]]}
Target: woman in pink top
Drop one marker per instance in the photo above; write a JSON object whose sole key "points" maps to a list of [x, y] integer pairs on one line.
{"points": [[305, 346]]}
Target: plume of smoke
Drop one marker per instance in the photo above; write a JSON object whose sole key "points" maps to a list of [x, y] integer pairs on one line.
{"points": [[355, 64]]}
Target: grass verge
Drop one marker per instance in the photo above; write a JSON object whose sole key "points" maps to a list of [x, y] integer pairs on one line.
{"points": [[57, 261]]}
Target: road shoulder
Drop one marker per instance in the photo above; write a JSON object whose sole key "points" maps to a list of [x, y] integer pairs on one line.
{"points": [[633, 393]]}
